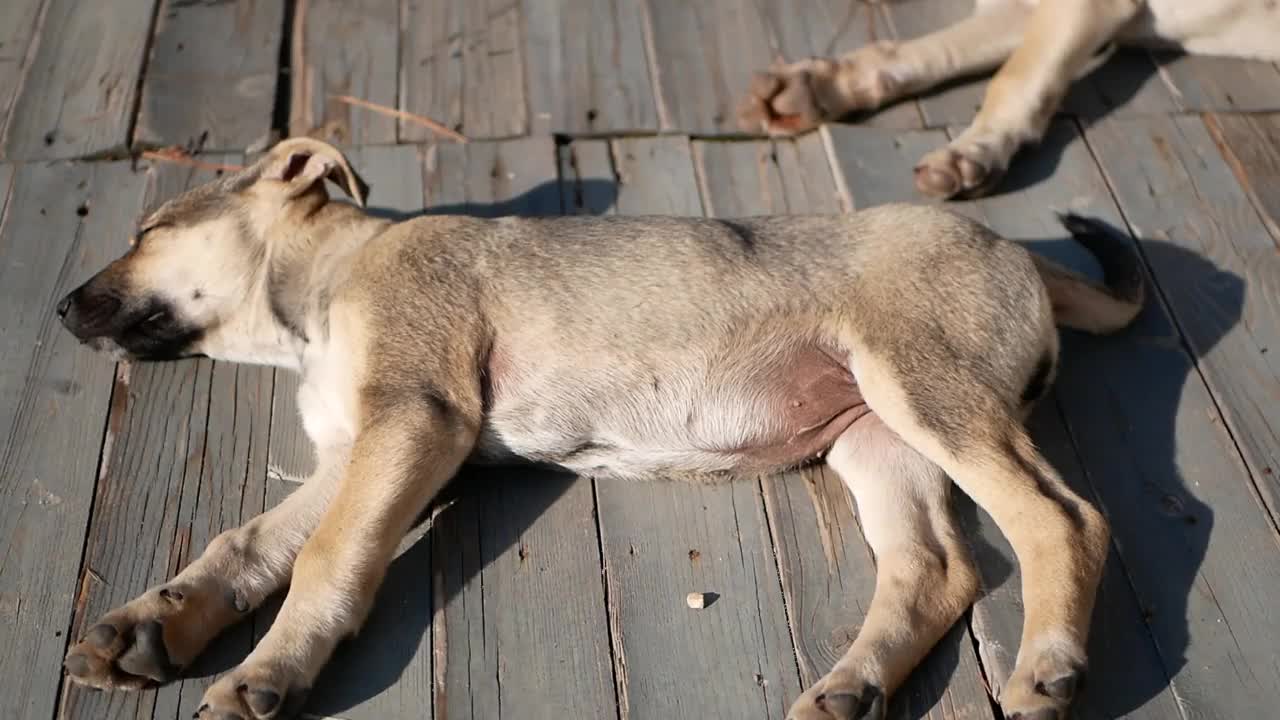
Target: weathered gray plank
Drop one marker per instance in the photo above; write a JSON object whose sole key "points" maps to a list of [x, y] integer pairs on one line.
{"points": [[1216, 83], [702, 55], [1127, 674], [1251, 144], [461, 65], [1215, 265], [344, 48], [211, 79], [872, 166], [663, 540], [19, 26], [829, 28], [231, 490], [6, 179], [520, 627], [79, 93], [1199, 207], [53, 408], [586, 67], [1127, 84]]}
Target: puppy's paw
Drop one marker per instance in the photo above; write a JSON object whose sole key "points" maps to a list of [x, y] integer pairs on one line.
{"points": [[253, 692], [840, 695], [790, 99], [150, 640], [1044, 687], [957, 172]]}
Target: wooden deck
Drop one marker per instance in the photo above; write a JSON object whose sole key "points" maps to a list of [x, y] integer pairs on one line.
{"points": [[542, 596]]}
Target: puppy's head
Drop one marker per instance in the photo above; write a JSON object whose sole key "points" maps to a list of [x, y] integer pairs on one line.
{"points": [[200, 260]]}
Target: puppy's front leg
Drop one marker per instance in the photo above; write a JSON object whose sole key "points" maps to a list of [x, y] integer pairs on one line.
{"points": [[405, 452], [152, 637], [1061, 45]]}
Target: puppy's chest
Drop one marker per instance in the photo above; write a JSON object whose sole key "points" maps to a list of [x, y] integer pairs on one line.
{"points": [[328, 406]]}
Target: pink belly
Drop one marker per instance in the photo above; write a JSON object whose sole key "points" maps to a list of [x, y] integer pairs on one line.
{"points": [[813, 398]]}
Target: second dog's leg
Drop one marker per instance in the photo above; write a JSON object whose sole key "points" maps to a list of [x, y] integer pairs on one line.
{"points": [[158, 633], [400, 460], [796, 97], [1060, 45], [924, 576]]}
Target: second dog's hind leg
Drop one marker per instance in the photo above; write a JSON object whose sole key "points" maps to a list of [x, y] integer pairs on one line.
{"points": [[925, 578], [1061, 42]]}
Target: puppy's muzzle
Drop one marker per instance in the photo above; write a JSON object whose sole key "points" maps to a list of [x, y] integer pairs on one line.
{"points": [[88, 314]]}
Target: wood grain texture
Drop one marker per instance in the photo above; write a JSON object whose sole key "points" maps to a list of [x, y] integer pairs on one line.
{"points": [[344, 48], [211, 79], [1251, 145], [1215, 267], [79, 94], [54, 398], [702, 55], [830, 28], [1200, 207], [586, 70], [462, 65], [520, 627], [1205, 83], [872, 166], [663, 540], [19, 27], [1128, 676]]}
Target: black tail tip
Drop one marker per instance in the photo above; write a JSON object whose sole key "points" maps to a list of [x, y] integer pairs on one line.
{"points": [[1121, 266]]}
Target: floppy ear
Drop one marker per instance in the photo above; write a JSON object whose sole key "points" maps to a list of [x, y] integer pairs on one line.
{"points": [[300, 163]]}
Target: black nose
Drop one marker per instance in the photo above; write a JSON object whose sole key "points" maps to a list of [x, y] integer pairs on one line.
{"points": [[63, 306]]}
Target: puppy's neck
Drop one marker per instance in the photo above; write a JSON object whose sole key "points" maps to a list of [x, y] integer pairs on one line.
{"points": [[309, 259]]}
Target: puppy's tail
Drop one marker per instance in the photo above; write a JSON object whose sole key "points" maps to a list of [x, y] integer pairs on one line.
{"points": [[1083, 304]]}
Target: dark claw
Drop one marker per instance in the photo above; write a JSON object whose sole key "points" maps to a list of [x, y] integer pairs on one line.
{"points": [[77, 665], [1064, 688], [148, 657], [101, 636], [263, 702], [1047, 714], [868, 705]]}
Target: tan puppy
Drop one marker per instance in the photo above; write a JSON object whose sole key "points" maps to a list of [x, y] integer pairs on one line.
{"points": [[1040, 46], [903, 344]]}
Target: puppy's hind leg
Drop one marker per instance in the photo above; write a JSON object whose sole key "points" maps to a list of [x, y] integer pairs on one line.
{"points": [[949, 414], [793, 98], [925, 578]]}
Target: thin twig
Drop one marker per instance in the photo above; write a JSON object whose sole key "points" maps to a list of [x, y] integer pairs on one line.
{"points": [[423, 120], [182, 157]]}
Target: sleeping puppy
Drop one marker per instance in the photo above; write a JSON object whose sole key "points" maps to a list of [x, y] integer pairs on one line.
{"points": [[902, 345], [1040, 46]]}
